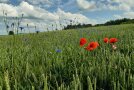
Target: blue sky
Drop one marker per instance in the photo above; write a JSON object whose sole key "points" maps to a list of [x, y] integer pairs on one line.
{"points": [[46, 12]]}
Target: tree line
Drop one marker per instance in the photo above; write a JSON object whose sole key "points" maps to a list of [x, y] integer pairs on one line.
{"points": [[111, 22]]}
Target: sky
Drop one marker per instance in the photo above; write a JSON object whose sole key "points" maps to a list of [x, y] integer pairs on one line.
{"points": [[44, 13]]}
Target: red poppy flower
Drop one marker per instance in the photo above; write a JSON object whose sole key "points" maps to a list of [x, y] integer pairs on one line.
{"points": [[105, 40], [113, 40], [83, 41], [89, 48], [92, 46]]}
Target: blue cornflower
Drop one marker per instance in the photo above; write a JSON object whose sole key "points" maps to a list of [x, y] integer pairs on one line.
{"points": [[58, 50], [21, 28], [7, 26]]}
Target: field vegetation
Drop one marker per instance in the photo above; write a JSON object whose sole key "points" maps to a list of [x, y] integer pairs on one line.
{"points": [[54, 60]]}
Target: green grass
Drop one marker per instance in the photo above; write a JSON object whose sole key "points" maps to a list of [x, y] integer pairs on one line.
{"points": [[30, 62]]}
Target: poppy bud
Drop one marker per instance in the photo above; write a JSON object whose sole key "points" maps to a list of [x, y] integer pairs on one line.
{"points": [[105, 40], [83, 41]]}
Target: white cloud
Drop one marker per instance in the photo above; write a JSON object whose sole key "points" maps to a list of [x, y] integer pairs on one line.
{"points": [[30, 10], [125, 5], [39, 1], [36, 12], [129, 15], [125, 15], [9, 9], [117, 16], [81, 18], [38, 16], [3, 1], [84, 4]]}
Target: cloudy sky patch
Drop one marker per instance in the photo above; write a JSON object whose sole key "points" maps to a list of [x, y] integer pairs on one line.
{"points": [[46, 12]]}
